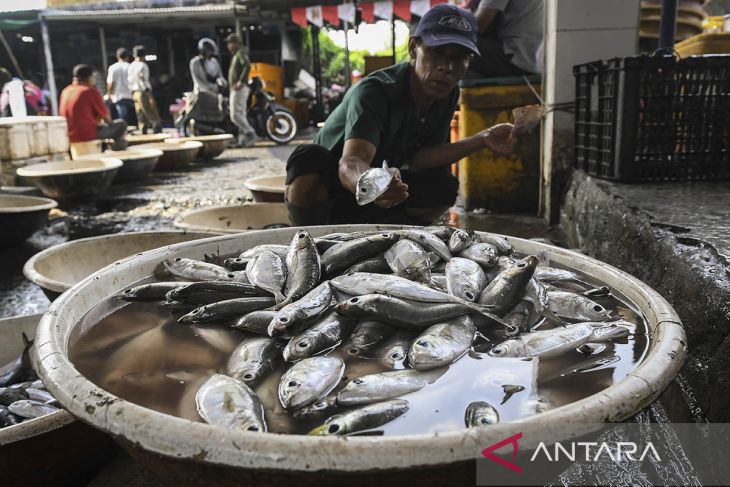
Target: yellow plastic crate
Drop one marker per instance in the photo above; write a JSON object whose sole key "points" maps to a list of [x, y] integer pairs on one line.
{"points": [[710, 43], [272, 75]]}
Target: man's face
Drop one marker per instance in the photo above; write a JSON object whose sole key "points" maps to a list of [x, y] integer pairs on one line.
{"points": [[440, 68], [207, 53], [233, 47]]}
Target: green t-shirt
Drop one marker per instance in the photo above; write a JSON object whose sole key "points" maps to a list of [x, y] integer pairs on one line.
{"points": [[380, 109], [240, 67]]}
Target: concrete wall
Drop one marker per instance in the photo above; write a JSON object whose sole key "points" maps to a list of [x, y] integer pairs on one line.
{"points": [[576, 31]]}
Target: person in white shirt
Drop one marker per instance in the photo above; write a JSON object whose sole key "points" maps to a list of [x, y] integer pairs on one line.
{"points": [[12, 94], [138, 77], [117, 87], [206, 70]]}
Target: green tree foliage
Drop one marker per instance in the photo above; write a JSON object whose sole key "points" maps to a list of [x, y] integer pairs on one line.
{"points": [[333, 57]]}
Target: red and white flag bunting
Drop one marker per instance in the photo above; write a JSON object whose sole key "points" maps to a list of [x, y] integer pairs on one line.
{"points": [[386, 10]]}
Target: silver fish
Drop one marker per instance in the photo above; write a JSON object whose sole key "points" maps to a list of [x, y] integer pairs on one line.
{"points": [[366, 336], [209, 292], [363, 418], [483, 254], [506, 290], [302, 312], [27, 408], [465, 279], [551, 274], [427, 240], [303, 267], [327, 333], [545, 343], [439, 282], [268, 271], [398, 312], [394, 351], [319, 407], [256, 322], [226, 310], [576, 307], [40, 396], [154, 291], [280, 250], [229, 403], [376, 265], [309, 380], [373, 388], [254, 358], [462, 239], [338, 258], [372, 183], [605, 332], [408, 259], [9, 395], [442, 344], [441, 231], [201, 271], [480, 413]]}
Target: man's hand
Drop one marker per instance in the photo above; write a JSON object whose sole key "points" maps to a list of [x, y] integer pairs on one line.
{"points": [[238, 85], [396, 193], [499, 138]]}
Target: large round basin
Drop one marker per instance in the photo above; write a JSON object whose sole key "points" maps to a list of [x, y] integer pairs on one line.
{"points": [[52, 449], [186, 452], [139, 139], [138, 163], [174, 156], [234, 219], [213, 145], [21, 215], [267, 188], [58, 268], [72, 179]]}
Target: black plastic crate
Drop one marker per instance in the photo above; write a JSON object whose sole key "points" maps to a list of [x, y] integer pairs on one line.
{"points": [[649, 118]]}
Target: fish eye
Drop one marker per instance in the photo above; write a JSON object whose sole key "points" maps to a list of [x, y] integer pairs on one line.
{"points": [[334, 428], [484, 421], [354, 300], [358, 381], [423, 343], [354, 351], [248, 376], [292, 383], [253, 428], [127, 291], [196, 311], [469, 295], [395, 355], [283, 319], [302, 344], [598, 308], [363, 190], [178, 259], [496, 351], [521, 264], [301, 235]]}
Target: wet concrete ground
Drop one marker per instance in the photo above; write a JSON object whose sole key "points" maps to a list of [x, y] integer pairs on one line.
{"points": [[135, 207]]}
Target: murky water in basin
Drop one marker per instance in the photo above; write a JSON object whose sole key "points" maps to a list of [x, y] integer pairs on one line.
{"points": [[138, 351]]}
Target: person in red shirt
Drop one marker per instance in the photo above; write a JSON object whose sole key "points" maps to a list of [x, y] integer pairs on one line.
{"points": [[84, 109]]}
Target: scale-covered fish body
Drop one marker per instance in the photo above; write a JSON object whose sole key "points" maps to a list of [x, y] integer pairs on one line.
{"points": [[372, 183]]}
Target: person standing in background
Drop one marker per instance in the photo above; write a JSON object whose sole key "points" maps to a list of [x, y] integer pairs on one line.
{"points": [[206, 70], [117, 87], [12, 95], [238, 83], [139, 82], [510, 37]]}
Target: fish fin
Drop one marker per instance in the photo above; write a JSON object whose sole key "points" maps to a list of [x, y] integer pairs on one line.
{"points": [[543, 257], [385, 165], [27, 342], [279, 297]]}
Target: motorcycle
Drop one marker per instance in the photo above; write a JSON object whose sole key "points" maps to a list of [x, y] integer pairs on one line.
{"points": [[207, 114]]}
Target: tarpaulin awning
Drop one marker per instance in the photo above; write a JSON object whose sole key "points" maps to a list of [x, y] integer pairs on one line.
{"points": [[11, 24]]}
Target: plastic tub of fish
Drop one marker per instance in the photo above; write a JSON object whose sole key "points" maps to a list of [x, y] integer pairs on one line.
{"points": [[138, 163], [213, 145], [174, 156], [51, 448], [234, 218], [63, 180], [146, 351], [58, 268], [21, 215], [267, 189]]}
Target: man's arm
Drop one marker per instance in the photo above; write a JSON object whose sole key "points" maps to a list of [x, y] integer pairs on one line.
{"points": [[357, 154], [99, 107], [488, 11], [496, 138], [109, 82]]}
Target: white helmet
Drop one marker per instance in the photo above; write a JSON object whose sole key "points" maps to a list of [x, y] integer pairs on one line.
{"points": [[205, 41]]}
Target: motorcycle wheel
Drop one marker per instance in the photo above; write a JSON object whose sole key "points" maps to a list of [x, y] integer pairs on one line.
{"points": [[281, 127]]}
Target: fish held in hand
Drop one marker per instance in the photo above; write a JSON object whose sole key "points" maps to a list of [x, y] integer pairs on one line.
{"points": [[372, 184]]}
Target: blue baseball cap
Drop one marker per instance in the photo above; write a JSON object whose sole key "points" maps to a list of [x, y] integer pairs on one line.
{"points": [[448, 24]]}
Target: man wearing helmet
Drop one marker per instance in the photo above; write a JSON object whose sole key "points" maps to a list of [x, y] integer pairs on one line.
{"points": [[400, 115], [205, 68]]}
